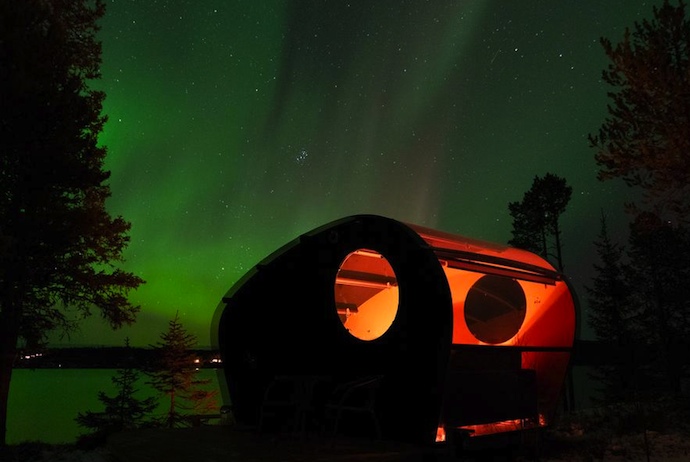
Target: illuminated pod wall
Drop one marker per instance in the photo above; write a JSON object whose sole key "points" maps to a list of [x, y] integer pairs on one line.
{"points": [[513, 331], [466, 334]]}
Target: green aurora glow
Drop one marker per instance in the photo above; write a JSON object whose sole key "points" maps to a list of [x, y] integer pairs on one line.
{"points": [[236, 126]]}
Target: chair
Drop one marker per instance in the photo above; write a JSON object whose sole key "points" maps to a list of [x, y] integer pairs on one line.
{"points": [[289, 399], [356, 397], [279, 404]]}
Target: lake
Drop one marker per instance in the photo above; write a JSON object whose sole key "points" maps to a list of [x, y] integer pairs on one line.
{"points": [[44, 402]]}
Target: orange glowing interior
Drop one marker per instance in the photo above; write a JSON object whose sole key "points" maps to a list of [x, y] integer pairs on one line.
{"points": [[501, 295], [366, 294]]}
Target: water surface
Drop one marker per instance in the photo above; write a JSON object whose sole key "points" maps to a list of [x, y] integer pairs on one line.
{"points": [[44, 402]]}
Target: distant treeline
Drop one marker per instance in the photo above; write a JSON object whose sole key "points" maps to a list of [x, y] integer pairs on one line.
{"points": [[103, 358], [585, 353]]}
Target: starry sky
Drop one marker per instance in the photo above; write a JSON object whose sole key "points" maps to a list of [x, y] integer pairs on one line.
{"points": [[235, 126]]}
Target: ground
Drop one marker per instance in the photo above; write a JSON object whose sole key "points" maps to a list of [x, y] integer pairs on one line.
{"points": [[596, 435]]}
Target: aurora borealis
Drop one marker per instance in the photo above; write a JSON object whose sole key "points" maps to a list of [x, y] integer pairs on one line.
{"points": [[236, 126]]}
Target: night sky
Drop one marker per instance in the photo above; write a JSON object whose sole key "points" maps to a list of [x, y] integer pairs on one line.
{"points": [[236, 126]]}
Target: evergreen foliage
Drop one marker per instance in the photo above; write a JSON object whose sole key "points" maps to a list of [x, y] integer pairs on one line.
{"points": [[609, 294], [122, 412], [646, 138], [645, 141], [58, 243], [659, 273], [640, 309], [612, 317], [536, 218], [175, 376]]}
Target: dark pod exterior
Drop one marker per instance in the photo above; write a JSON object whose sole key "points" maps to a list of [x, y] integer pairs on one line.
{"points": [[457, 311]]}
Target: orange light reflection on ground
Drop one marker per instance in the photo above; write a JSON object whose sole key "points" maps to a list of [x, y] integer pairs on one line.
{"points": [[440, 434], [504, 426]]}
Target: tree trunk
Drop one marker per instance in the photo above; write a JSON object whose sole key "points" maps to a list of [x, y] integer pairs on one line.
{"points": [[9, 332], [171, 413], [544, 244], [559, 253]]}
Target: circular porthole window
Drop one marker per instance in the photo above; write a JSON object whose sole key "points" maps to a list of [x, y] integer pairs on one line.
{"points": [[495, 309], [366, 294]]}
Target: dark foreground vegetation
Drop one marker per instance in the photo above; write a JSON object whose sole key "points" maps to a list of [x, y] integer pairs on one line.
{"points": [[655, 431]]}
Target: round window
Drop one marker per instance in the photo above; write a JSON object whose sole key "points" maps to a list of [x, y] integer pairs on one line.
{"points": [[495, 308], [366, 294]]}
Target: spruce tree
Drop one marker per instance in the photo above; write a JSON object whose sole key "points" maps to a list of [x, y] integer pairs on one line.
{"points": [[659, 274], [612, 317], [175, 375], [124, 411]]}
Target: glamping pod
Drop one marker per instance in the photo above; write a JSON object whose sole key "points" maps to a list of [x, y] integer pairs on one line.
{"points": [[456, 334]]}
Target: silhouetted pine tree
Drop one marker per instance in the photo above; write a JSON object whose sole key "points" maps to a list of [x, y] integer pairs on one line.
{"points": [[122, 412], [659, 273], [536, 218], [59, 245], [645, 139], [175, 376], [612, 317], [528, 230]]}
